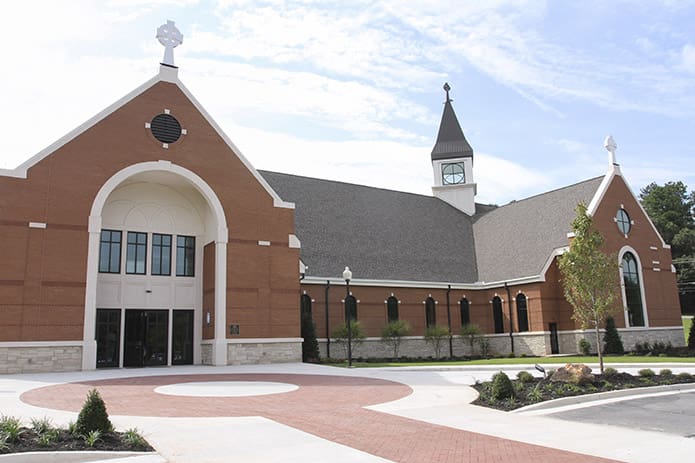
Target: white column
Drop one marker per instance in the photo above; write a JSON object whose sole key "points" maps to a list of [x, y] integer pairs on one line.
{"points": [[89, 346], [219, 347]]}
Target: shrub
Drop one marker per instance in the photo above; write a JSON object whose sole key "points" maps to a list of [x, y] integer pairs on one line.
{"points": [[691, 334], [524, 377], [393, 333], [133, 438], [40, 426], [72, 428], [535, 395], [502, 387], [310, 345], [92, 437], [642, 348], [646, 373], [48, 437], [684, 375], [609, 371], [612, 342], [11, 428], [584, 346], [93, 416], [484, 344], [436, 335], [3, 443]]}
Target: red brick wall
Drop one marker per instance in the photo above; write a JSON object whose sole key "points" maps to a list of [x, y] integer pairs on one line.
{"points": [[42, 279]]}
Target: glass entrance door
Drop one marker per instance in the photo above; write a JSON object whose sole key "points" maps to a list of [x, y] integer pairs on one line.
{"points": [[108, 337], [182, 334], [146, 340]]}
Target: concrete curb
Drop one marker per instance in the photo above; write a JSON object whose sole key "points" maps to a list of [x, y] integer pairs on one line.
{"points": [[529, 366], [82, 457], [625, 394]]}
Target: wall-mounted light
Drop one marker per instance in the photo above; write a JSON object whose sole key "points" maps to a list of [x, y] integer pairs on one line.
{"points": [[207, 318]]}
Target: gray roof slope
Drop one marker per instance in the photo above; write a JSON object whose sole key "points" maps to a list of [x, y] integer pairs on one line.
{"points": [[380, 234], [451, 143], [515, 240]]}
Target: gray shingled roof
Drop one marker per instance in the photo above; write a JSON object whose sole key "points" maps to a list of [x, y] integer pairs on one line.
{"points": [[451, 143], [516, 240], [380, 234]]}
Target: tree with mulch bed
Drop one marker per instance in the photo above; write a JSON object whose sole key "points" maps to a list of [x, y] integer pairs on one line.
{"points": [[528, 390], [92, 431]]}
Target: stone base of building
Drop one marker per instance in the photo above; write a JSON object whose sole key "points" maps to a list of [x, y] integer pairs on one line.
{"points": [[253, 351], [530, 344], [569, 340], [28, 357]]}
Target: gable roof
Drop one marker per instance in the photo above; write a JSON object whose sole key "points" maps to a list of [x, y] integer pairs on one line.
{"points": [[380, 234], [516, 240], [166, 74]]}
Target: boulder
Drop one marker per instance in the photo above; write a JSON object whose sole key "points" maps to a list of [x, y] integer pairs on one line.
{"points": [[575, 373]]}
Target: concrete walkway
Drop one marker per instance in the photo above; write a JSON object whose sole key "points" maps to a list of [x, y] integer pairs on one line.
{"points": [[328, 414]]}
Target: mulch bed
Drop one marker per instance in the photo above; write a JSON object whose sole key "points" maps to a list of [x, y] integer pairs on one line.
{"points": [[28, 441], [540, 389]]}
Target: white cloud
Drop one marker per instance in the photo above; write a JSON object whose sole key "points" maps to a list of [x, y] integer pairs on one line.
{"points": [[688, 58]]}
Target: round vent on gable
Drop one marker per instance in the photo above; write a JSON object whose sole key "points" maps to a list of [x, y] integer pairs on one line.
{"points": [[165, 128]]}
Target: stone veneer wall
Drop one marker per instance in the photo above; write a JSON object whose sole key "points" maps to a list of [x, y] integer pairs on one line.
{"points": [[206, 354], [569, 340], [269, 351], [35, 359]]}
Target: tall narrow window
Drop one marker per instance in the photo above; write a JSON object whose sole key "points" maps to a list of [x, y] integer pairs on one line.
{"points": [[497, 314], [136, 254], [465, 311], [185, 256], [633, 290], [430, 312], [110, 251], [350, 308], [161, 254], [522, 312], [392, 309]]}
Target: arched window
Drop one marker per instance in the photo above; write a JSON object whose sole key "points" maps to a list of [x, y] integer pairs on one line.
{"points": [[430, 312], [350, 308], [392, 309], [633, 290], [465, 311], [522, 312], [497, 314], [305, 306]]}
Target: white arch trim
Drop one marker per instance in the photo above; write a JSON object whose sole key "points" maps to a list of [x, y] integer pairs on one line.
{"points": [[221, 238], [640, 274]]}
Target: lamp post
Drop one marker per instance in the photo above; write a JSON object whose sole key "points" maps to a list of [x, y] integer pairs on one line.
{"points": [[347, 276]]}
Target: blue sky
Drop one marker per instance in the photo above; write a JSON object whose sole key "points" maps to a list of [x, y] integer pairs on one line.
{"points": [[352, 90]]}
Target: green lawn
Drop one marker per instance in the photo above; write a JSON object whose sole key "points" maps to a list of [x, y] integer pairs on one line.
{"points": [[529, 361], [687, 321]]}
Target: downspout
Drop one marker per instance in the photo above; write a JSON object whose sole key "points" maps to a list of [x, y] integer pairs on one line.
{"points": [[448, 319], [511, 324], [328, 335]]}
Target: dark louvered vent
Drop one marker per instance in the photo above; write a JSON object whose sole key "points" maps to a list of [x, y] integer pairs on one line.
{"points": [[165, 128]]}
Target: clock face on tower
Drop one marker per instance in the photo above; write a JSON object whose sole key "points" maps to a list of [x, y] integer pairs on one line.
{"points": [[453, 173]]}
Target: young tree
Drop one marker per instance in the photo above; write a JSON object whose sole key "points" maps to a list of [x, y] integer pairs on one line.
{"points": [[340, 334], [589, 277], [471, 332], [436, 335], [392, 334], [691, 335]]}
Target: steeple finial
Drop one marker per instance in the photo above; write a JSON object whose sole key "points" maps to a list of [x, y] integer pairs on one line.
{"points": [[446, 89], [610, 145], [169, 36]]}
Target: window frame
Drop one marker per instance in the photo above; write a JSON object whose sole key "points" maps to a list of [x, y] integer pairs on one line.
{"points": [[158, 248], [138, 247], [392, 309], [110, 244], [186, 257], [519, 318], [465, 311]]}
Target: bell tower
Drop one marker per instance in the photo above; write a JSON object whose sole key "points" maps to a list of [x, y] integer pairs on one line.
{"points": [[452, 162]]}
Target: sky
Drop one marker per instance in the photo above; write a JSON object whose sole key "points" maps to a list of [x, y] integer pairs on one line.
{"points": [[352, 91]]}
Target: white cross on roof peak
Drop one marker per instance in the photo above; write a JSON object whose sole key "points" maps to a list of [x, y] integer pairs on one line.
{"points": [[169, 36]]}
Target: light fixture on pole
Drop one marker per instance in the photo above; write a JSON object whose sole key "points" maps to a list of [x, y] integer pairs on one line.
{"points": [[347, 276]]}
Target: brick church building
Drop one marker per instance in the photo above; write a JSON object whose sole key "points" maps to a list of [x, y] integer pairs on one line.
{"points": [[144, 237]]}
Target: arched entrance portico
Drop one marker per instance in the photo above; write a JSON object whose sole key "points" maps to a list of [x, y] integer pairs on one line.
{"points": [[155, 206]]}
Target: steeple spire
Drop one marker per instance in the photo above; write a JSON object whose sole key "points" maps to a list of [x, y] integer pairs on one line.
{"points": [[451, 143]]}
